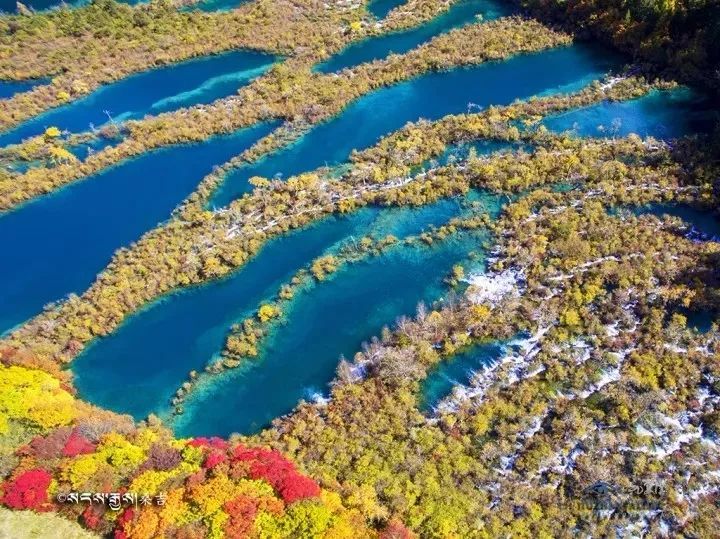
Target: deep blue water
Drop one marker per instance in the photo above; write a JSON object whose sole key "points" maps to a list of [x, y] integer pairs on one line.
{"points": [[9, 6], [380, 8], [430, 96], [196, 81], [704, 222], [332, 319], [9, 88], [457, 370], [700, 320], [460, 13], [61, 241], [183, 331], [666, 115]]}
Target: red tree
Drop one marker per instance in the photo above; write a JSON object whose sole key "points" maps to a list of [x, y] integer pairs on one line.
{"points": [[77, 444], [125, 517], [395, 530], [213, 459], [214, 442], [274, 468], [28, 491], [91, 517]]}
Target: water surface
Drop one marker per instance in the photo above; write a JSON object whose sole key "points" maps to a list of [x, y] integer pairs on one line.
{"points": [[430, 96], [380, 8], [216, 5], [167, 88], [61, 241], [333, 319], [699, 320], [704, 223], [460, 13], [9, 88], [664, 115], [186, 329], [10, 6], [457, 370]]}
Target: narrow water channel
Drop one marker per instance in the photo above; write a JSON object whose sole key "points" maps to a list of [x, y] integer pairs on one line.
{"points": [[380, 8], [430, 96], [457, 370], [704, 223], [9, 88], [461, 12], [184, 330], [300, 358], [61, 241], [167, 88], [661, 114]]}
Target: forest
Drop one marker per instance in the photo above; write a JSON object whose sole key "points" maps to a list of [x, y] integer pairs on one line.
{"points": [[599, 415], [675, 37]]}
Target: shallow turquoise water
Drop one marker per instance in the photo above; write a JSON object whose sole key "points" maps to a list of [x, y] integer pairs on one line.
{"points": [[196, 81], [457, 370], [61, 241], [216, 5], [460, 13], [183, 331], [666, 115], [332, 319], [430, 96]]}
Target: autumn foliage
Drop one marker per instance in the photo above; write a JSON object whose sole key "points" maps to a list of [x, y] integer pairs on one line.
{"points": [[278, 471], [209, 487], [77, 445], [28, 490]]}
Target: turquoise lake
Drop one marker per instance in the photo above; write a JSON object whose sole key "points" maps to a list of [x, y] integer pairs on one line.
{"points": [[661, 114], [367, 119], [197, 81], [9, 6], [183, 331], [457, 370], [216, 5], [460, 13], [9, 88], [380, 8], [61, 241], [301, 358], [704, 223], [81, 246]]}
